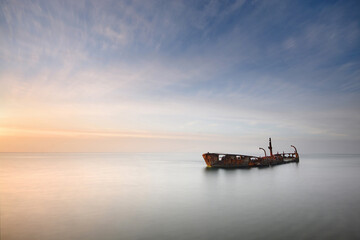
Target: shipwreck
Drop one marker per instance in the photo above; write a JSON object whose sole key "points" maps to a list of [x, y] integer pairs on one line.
{"points": [[223, 160]]}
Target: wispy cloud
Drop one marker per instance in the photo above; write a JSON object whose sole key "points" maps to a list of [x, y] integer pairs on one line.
{"points": [[240, 68]]}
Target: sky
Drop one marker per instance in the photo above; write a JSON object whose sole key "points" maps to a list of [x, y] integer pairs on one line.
{"points": [[179, 76]]}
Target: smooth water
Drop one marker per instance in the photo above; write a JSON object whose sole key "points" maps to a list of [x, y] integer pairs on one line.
{"points": [[174, 196]]}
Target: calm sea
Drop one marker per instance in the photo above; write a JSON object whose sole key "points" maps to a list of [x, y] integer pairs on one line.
{"points": [[174, 196]]}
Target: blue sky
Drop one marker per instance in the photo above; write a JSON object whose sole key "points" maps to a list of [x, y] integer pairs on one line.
{"points": [[179, 75]]}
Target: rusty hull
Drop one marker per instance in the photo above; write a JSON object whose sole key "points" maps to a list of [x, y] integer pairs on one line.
{"points": [[223, 160]]}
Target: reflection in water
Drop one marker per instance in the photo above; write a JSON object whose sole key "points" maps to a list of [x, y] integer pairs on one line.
{"points": [[173, 196], [209, 170]]}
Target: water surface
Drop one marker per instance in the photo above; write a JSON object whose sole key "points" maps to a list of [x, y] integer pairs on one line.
{"points": [[174, 196]]}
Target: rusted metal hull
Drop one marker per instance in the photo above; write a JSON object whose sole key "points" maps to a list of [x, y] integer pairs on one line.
{"points": [[243, 161], [223, 160]]}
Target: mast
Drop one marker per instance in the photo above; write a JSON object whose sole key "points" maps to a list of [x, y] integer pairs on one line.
{"points": [[270, 147]]}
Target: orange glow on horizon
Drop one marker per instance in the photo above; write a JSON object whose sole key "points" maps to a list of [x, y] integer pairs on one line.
{"points": [[40, 140]]}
